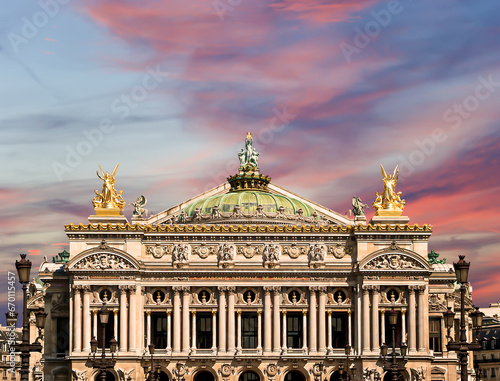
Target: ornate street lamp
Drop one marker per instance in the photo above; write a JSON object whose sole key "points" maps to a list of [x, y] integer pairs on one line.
{"points": [[23, 272], [345, 374], [391, 366], [462, 347], [103, 364], [153, 375]]}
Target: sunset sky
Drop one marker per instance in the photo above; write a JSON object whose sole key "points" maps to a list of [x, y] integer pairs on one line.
{"points": [[330, 89]]}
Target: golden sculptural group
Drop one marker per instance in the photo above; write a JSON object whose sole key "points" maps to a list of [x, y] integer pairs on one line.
{"points": [[389, 203], [108, 201]]}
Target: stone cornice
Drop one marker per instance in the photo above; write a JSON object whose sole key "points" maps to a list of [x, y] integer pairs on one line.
{"points": [[246, 228]]}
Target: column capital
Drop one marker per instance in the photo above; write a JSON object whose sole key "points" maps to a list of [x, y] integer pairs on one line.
{"points": [[231, 290], [382, 311], [283, 312], [94, 312], [421, 289], [115, 312], [214, 312], [238, 312], [304, 312], [77, 287], [403, 311], [366, 288], [176, 289], [132, 288], [222, 288], [86, 289], [349, 312], [259, 312], [169, 312], [193, 312], [148, 313], [267, 289], [412, 288], [329, 312], [123, 288], [322, 289]]}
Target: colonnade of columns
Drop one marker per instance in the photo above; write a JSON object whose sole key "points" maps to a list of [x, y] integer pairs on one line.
{"points": [[414, 330], [272, 335], [85, 320]]}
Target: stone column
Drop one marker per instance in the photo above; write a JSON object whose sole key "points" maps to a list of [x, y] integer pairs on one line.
{"points": [[259, 330], [193, 335], [267, 319], [276, 319], [329, 333], [358, 316], [169, 331], [366, 319], [94, 328], [382, 327], [421, 319], [403, 326], [375, 318], [412, 319], [177, 319], [132, 319], [284, 334], [115, 323], [304, 331], [77, 327], [86, 318], [230, 320], [185, 318], [349, 327], [222, 319], [321, 319], [214, 331], [123, 318], [148, 328], [238, 329], [312, 320]]}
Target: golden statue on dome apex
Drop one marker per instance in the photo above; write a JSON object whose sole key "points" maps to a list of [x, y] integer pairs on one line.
{"points": [[389, 203], [108, 201]]}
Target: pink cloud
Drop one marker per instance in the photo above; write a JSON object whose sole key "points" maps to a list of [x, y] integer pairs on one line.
{"points": [[34, 252]]}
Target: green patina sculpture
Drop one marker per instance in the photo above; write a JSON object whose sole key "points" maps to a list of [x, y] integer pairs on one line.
{"points": [[357, 206], [248, 156], [433, 258]]}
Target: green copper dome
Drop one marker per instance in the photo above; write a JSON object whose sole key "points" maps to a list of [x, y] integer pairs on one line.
{"points": [[248, 201]]}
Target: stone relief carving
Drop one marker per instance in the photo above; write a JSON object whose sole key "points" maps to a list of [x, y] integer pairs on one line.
{"points": [[225, 255], [271, 255], [180, 255], [339, 251], [317, 255], [271, 370], [103, 261], [125, 376], [393, 262], [436, 304], [226, 370], [204, 250], [249, 251], [294, 251], [79, 376], [157, 251]]}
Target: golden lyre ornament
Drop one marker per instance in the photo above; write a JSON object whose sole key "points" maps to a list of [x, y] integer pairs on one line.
{"points": [[389, 203], [108, 202]]}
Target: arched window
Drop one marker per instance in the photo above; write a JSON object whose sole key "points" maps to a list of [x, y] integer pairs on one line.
{"points": [[204, 376], [294, 376], [109, 376], [163, 377], [249, 376], [335, 376]]}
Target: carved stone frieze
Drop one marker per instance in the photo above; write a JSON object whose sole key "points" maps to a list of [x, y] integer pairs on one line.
{"points": [[157, 251], [393, 262], [226, 254], [103, 261], [249, 250]]}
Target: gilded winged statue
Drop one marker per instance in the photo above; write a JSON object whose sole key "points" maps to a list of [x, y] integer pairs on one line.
{"points": [[108, 198], [389, 200]]}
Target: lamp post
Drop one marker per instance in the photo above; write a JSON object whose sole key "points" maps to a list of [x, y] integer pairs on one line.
{"points": [[462, 347], [344, 374], [103, 363], [153, 376], [391, 366], [23, 271]]}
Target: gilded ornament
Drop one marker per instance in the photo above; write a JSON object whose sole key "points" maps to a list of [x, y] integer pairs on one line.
{"points": [[108, 202], [389, 203]]}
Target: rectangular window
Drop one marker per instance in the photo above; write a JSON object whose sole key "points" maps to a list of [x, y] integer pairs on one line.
{"points": [[294, 330], [339, 330], [435, 334], [62, 345], [493, 372], [204, 330], [159, 330], [249, 330]]}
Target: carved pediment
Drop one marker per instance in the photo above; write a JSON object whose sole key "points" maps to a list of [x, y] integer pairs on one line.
{"points": [[394, 258], [104, 261]]}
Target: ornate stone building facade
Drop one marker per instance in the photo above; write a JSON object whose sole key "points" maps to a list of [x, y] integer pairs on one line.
{"points": [[247, 282]]}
